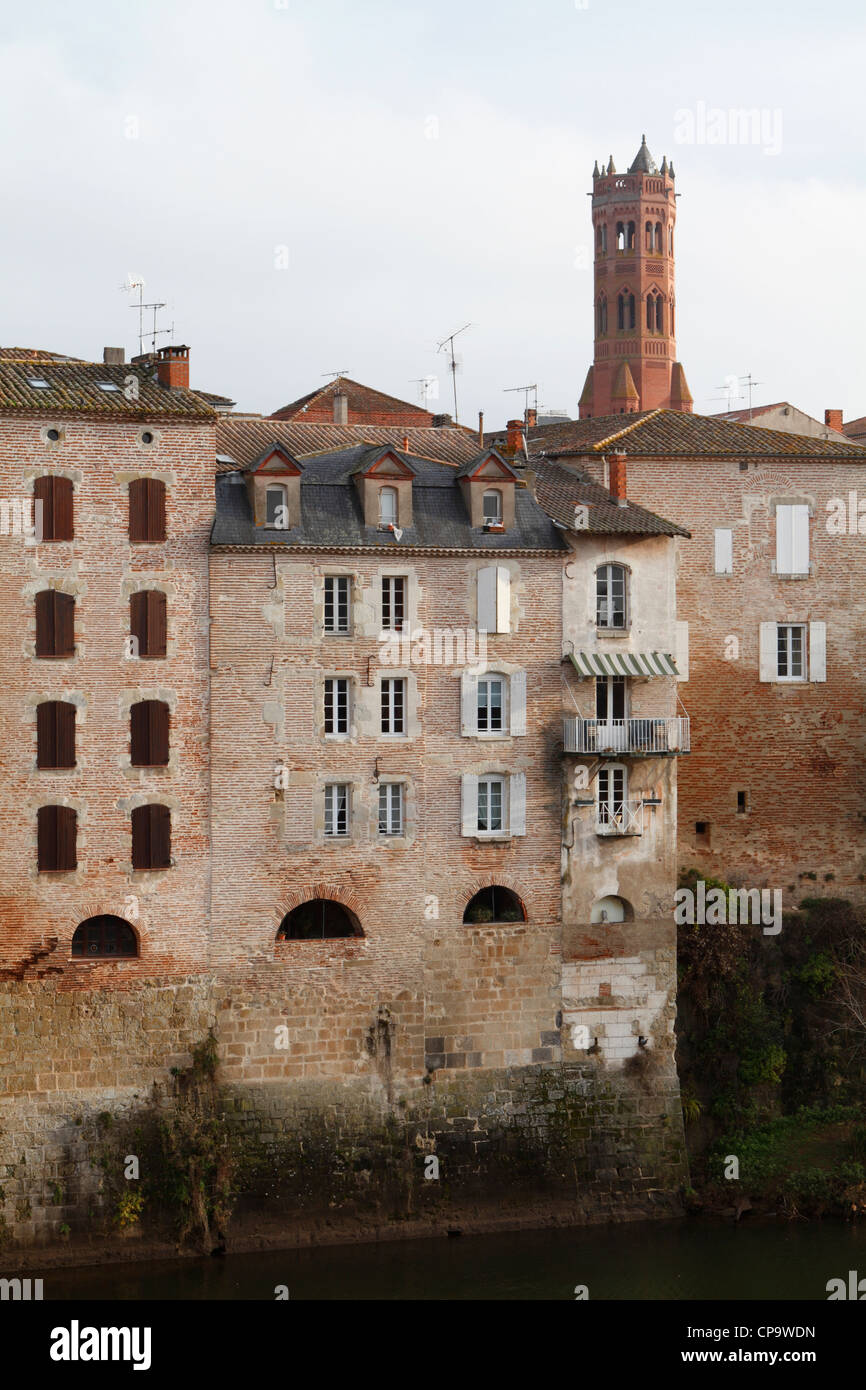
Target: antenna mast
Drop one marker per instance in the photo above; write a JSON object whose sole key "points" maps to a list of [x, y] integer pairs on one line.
{"points": [[452, 365], [526, 390], [136, 282]]}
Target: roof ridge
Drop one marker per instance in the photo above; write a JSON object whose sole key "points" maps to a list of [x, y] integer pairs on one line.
{"points": [[628, 429]]}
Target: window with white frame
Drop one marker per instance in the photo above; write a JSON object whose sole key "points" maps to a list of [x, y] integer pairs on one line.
{"points": [[491, 507], [393, 602], [793, 651], [610, 588], [337, 705], [792, 539], [491, 704], [337, 602], [391, 808], [612, 794], [387, 506], [337, 809], [393, 705], [723, 560], [494, 804], [276, 507]]}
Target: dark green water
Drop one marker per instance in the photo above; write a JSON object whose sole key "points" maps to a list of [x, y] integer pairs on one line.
{"points": [[654, 1260]]}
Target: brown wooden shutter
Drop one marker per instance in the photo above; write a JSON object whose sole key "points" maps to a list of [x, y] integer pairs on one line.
{"points": [[45, 623], [57, 830], [64, 529], [139, 734], [141, 837], [64, 624], [138, 621], [160, 837], [46, 734], [158, 721], [156, 623], [146, 509], [155, 509], [65, 735], [43, 491]]}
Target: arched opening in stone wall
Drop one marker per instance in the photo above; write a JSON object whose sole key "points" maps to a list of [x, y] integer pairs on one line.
{"points": [[494, 904], [319, 919], [611, 909], [105, 938]]}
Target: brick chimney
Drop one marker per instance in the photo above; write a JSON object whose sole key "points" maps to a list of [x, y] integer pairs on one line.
{"points": [[531, 417], [172, 367], [617, 475], [514, 437], [833, 418], [341, 408], [442, 422], [114, 357]]}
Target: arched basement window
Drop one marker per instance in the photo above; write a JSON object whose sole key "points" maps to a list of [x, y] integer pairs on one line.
{"points": [[611, 909], [319, 919], [494, 904], [105, 938]]}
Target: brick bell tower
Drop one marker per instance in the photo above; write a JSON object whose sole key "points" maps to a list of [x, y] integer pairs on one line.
{"points": [[633, 218]]}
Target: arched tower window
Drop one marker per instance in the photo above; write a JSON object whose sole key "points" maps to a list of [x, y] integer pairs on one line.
{"points": [[601, 316], [660, 315], [673, 316], [670, 241], [630, 236], [649, 236], [650, 312], [658, 237], [604, 238], [625, 310], [620, 236]]}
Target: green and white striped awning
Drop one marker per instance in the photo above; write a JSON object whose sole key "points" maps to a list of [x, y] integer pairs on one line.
{"points": [[591, 664]]}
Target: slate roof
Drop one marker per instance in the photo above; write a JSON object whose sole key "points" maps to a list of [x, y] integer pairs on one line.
{"points": [[331, 515], [241, 441], [671, 433], [73, 389], [560, 489], [360, 398], [643, 162]]}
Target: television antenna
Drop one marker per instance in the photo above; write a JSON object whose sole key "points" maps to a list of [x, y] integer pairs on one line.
{"points": [[526, 390], [453, 364], [335, 376], [746, 380], [136, 282], [426, 383]]}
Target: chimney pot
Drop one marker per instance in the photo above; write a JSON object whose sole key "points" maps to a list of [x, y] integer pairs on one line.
{"points": [[514, 437], [172, 367], [405, 443], [531, 417], [481, 429], [833, 418], [617, 485], [114, 357]]}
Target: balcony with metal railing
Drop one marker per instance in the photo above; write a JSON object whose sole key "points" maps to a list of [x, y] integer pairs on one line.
{"points": [[619, 818], [648, 738]]}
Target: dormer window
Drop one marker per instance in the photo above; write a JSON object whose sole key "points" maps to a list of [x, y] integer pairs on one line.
{"points": [[276, 504], [491, 508], [388, 506]]}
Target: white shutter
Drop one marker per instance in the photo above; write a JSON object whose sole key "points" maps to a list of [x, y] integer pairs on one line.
{"points": [[683, 651], [724, 551], [487, 599], [769, 661], [800, 539], [503, 599], [517, 803], [469, 784], [817, 651], [468, 703], [517, 693], [784, 540]]}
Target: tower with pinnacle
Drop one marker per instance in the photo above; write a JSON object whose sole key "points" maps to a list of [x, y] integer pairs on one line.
{"points": [[634, 301]]}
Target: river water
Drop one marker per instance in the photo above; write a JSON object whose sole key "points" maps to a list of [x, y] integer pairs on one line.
{"points": [[654, 1260]]}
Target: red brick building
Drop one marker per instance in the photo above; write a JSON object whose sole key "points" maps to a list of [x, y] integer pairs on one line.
{"points": [[634, 299], [346, 402]]}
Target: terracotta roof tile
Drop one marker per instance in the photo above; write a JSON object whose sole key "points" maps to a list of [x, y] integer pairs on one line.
{"points": [[560, 489], [667, 433], [360, 398], [241, 441], [73, 389]]}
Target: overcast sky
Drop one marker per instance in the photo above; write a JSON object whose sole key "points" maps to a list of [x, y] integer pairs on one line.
{"points": [[325, 185]]}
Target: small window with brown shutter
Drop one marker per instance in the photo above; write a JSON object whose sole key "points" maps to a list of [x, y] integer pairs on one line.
{"points": [[149, 733], [55, 734], [55, 623], [57, 830], [55, 494], [147, 622], [146, 510], [151, 837]]}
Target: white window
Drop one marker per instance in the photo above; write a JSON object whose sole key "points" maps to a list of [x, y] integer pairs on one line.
{"points": [[494, 599], [610, 589], [393, 602], [337, 603], [491, 507], [493, 704], [494, 804], [724, 551], [792, 539], [391, 802], [337, 706], [387, 506], [393, 703], [276, 507], [337, 809], [612, 795], [793, 651]]}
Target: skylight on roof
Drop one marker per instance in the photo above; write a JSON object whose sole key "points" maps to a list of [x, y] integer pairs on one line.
{"points": [[40, 383], [107, 386]]}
